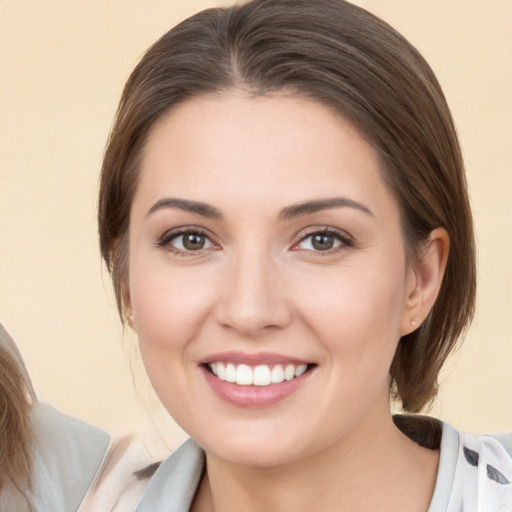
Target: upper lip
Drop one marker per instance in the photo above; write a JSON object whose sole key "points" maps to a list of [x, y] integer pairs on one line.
{"points": [[268, 358]]}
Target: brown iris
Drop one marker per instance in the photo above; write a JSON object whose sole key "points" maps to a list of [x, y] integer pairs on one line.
{"points": [[322, 242], [194, 241]]}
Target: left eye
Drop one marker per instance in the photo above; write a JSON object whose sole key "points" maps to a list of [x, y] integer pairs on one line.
{"points": [[190, 241], [320, 242]]}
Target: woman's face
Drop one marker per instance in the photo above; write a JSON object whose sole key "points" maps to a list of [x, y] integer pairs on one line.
{"points": [[263, 245]]}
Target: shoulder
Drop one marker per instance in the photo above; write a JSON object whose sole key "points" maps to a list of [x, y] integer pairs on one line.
{"points": [[479, 469], [67, 454], [484, 473], [173, 486], [474, 473], [78, 467], [505, 440], [122, 479]]}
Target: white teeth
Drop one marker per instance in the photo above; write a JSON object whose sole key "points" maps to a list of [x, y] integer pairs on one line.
{"points": [[261, 375], [231, 372], [289, 372], [300, 370], [221, 371], [243, 375], [277, 375]]}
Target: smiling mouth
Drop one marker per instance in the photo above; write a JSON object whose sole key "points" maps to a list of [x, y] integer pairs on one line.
{"points": [[260, 375]]}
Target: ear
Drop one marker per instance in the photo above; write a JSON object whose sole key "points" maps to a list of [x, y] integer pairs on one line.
{"points": [[424, 280]]}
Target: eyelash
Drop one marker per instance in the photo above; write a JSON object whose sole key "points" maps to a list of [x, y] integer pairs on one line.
{"points": [[169, 236], [345, 240]]}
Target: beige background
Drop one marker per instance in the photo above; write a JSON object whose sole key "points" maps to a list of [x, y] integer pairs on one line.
{"points": [[62, 67]]}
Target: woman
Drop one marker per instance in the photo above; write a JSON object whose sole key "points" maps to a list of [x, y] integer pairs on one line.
{"points": [[50, 461], [283, 209], [15, 399]]}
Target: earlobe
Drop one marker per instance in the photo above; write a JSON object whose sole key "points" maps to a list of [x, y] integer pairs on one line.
{"points": [[127, 306], [424, 280], [129, 319]]}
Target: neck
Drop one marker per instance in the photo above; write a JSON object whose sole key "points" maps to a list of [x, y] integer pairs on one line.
{"points": [[376, 469]]}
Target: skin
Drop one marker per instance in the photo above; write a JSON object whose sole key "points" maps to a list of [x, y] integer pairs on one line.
{"points": [[259, 285]]}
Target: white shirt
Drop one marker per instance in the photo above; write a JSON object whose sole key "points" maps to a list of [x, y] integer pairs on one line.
{"points": [[474, 475]]}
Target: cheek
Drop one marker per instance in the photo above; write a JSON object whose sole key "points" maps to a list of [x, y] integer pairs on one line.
{"points": [[162, 296], [168, 312], [169, 307], [356, 312]]}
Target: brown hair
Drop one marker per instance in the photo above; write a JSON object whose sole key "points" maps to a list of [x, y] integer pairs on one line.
{"points": [[350, 60], [16, 396]]}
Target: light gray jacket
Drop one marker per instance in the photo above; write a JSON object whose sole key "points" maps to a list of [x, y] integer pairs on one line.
{"points": [[68, 454]]}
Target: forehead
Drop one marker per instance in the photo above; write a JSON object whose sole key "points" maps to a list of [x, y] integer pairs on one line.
{"points": [[274, 147]]}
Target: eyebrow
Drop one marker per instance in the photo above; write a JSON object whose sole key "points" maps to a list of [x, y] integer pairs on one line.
{"points": [[203, 209], [287, 213], [310, 207]]}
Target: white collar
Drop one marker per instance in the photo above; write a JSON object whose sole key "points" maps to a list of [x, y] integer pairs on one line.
{"points": [[173, 487]]}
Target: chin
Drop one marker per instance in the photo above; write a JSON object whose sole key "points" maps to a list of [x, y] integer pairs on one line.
{"points": [[259, 444], [255, 455]]}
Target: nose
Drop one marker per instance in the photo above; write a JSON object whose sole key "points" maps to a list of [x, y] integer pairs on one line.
{"points": [[252, 301]]}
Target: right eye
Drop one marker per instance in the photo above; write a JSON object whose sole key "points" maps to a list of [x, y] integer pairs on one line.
{"points": [[188, 241], [191, 242]]}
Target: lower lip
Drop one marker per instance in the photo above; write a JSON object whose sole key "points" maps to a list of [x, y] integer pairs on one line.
{"points": [[254, 396]]}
